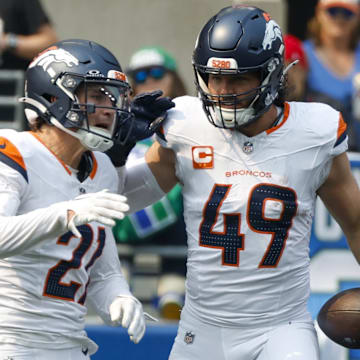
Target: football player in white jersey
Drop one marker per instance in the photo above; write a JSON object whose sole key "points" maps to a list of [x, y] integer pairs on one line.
{"points": [[251, 167], [57, 206]]}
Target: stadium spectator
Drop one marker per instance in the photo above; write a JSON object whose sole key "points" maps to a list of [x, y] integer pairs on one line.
{"points": [[151, 68], [333, 55], [26, 30], [251, 167], [58, 206]]}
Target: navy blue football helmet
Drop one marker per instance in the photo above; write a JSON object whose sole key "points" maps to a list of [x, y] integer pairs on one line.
{"points": [[237, 40], [57, 76]]}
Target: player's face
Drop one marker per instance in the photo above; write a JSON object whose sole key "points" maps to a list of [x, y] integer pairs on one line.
{"points": [[243, 84], [103, 99]]}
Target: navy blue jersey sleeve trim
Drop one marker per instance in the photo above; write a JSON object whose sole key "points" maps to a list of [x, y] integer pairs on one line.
{"points": [[341, 138], [14, 165]]}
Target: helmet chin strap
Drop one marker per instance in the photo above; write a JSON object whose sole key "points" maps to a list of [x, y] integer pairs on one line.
{"points": [[91, 141], [32, 115]]}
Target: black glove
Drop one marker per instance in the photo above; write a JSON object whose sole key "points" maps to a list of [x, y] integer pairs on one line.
{"points": [[150, 111], [118, 153]]}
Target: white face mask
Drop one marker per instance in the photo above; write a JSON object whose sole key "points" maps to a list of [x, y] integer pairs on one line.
{"points": [[226, 117], [89, 140], [96, 142]]}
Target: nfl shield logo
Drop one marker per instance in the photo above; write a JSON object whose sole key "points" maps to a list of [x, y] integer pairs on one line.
{"points": [[248, 147], [189, 337]]}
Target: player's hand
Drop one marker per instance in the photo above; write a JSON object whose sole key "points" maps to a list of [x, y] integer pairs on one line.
{"points": [[127, 311], [150, 111], [101, 206]]}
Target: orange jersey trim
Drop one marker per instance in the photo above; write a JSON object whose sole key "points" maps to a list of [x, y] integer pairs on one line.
{"points": [[94, 166], [10, 155], [61, 162], [286, 116], [342, 126], [341, 131]]}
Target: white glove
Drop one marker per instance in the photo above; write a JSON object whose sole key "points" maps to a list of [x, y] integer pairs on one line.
{"points": [[127, 311], [102, 207]]}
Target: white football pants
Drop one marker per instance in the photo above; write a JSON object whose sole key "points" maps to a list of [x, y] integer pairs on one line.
{"points": [[196, 340]]}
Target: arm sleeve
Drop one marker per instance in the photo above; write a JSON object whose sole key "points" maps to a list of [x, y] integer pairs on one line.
{"points": [[337, 146], [140, 186], [22, 232], [106, 280], [121, 172], [19, 233]]}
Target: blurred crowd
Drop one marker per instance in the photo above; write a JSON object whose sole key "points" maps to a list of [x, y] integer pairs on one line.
{"points": [[329, 62]]}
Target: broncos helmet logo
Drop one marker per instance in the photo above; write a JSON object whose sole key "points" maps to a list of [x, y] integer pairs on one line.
{"points": [[54, 55], [272, 32]]}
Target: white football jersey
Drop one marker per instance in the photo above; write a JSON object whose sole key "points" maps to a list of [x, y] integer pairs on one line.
{"points": [[248, 207], [43, 290]]}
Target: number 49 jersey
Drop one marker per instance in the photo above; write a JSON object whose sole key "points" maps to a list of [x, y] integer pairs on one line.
{"points": [[248, 207]]}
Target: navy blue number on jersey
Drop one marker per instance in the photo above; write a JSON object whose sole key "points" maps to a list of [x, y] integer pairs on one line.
{"points": [[54, 285], [231, 241]]}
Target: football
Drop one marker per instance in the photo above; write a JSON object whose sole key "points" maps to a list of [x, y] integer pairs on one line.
{"points": [[339, 318]]}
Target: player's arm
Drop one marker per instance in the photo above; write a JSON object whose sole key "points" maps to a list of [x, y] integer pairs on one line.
{"points": [[147, 180], [341, 195], [27, 46], [19, 233], [161, 162]]}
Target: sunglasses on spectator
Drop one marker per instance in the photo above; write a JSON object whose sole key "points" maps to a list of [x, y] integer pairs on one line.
{"points": [[334, 11], [154, 72]]}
